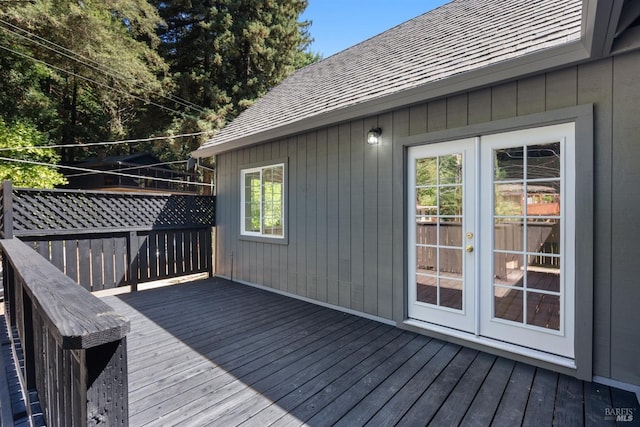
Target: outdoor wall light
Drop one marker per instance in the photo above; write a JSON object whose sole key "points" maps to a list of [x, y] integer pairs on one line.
{"points": [[373, 137]]}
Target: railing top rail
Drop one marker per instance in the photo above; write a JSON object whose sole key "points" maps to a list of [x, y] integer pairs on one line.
{"points": [[76, 318], [123, 194]]}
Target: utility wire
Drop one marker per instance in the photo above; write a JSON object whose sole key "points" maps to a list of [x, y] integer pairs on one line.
{"points": [[98, 83], [127, 175], [93, 144], [87, 61], [153, 165]]}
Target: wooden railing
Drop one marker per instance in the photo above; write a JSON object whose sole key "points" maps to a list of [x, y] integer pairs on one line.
{"points": [[104, 240], [74, 345]]}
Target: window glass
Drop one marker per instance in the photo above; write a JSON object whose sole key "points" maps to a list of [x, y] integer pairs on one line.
{"points": [[263, 201]]}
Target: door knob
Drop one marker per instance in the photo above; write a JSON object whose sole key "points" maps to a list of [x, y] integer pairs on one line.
{"points": [[469, 248]]}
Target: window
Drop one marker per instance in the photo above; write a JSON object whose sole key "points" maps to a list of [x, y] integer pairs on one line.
{"points": [[263, 204]]}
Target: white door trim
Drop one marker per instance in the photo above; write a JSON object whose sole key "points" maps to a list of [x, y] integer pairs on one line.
{"points": [[542, 344]]}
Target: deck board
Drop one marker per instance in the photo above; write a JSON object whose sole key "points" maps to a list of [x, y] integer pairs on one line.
{"points": [[484, 405], [450, 412], [219, 353], [541, 398]]}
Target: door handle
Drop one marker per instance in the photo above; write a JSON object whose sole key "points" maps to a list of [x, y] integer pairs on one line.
{"points": [[469, 248]]}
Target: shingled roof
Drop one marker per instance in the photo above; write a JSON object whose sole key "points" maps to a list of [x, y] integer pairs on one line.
{"points": [[456, 38]]}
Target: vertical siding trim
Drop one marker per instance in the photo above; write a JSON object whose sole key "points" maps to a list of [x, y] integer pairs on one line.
{"points": [[531, 95], [562, 88], [504, 101], [457, 111], [301, 213], [311, 217], [357, 214], [283, 251], [344, 215], [400, 128], [437, 115], [418, 119], [333, 219], [322, 215], [292, 248], [385, 219], [477, 109], [370, 219]]}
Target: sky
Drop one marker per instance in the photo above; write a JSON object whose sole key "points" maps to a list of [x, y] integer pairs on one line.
{"points": [[339, 24]]}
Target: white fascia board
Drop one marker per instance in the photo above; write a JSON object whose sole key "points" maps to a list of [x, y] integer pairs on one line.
{"points": [[546, 60]]}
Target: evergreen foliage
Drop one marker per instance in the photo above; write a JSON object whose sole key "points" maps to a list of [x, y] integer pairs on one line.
{"points": [[19, 138], [88, 71]]}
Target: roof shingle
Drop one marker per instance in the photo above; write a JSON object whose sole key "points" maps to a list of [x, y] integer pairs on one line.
{"points": [[455, 38]]}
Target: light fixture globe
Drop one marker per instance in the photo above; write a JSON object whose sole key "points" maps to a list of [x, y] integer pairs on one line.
{"points": [[373, 136]]}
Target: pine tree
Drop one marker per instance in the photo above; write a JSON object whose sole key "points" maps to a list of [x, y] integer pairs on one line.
{"points": [[225, 54], [101, 56]]}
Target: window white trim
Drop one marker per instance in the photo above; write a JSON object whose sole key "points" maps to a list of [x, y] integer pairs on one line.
{"points": [[259, 172]]}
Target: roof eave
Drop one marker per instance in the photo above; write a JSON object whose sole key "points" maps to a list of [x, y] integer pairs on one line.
{"points": [[526, 65], [599, 23]]}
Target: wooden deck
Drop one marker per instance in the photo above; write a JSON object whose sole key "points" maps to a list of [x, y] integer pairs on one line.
{"points": [[218, 353]]}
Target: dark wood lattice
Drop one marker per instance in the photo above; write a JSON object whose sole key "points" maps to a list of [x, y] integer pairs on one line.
{"points": [[38, 211]]}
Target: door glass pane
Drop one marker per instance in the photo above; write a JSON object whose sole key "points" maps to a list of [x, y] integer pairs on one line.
{"points": [[426, 233], [508, 199], [450, 169], [427, 289], [426, 259], [543, 237], [451, 200], [544, 279], [451, 293], [451, 231], [450, 262], [543, 198], [543, 310], [427, 171], [427, 202], [543, 161], [508, 234], [508, 304], [508, 269], [527, 230], [508, 164], [439, 240]]}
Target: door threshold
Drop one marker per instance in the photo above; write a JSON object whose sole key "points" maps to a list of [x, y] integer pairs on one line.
{"points": [[493, 343]]}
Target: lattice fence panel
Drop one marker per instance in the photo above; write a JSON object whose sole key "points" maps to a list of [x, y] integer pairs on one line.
{"points": [[60, 210]]}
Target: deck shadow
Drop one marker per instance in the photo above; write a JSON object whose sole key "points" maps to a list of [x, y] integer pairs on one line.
{"points": [[219, 352]]}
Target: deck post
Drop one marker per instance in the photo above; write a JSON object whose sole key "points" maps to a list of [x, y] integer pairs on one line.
{"points": [[134, 262], [9, 289], [27, 340], [7, 209], [107, 386]]}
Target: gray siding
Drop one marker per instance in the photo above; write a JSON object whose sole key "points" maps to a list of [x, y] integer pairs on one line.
{"points": [[346, 218]]}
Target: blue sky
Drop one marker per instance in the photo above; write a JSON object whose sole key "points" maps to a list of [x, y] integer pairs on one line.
{"points": [[339, 24]]}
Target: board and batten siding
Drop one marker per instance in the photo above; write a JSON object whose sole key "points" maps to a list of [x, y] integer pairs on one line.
{"points": [[346, 205]]}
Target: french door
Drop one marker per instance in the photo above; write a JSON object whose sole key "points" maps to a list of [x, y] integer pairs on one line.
{"points": [[491, 232], [441, 233]]}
